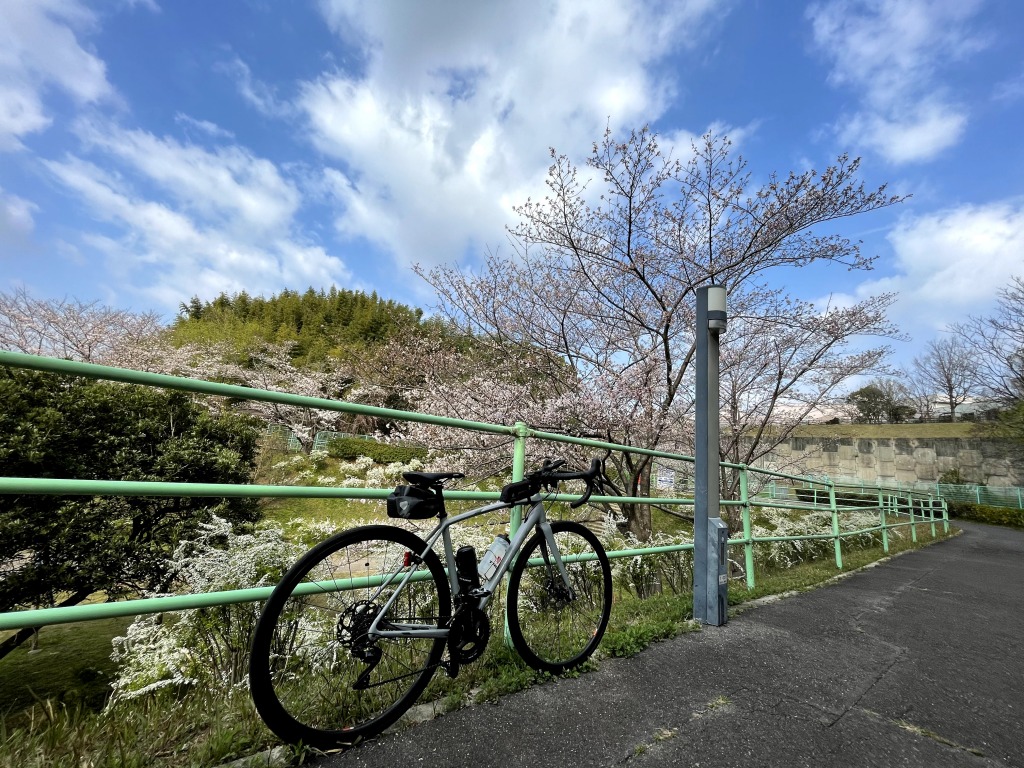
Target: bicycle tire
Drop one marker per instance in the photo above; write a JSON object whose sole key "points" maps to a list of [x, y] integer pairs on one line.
{"points": [[310, 645], [551, 631]]}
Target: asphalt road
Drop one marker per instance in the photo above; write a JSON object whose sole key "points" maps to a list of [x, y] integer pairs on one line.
{"points": [[916, 662]]}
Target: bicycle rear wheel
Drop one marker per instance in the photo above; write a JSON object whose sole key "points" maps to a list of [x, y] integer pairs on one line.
{"points": [[316, 676], [555, 628]]}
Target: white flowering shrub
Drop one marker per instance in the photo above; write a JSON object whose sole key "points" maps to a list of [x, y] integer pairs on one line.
{"points": [[645, 575], [206, 646], [318, 460], [785, 554]]}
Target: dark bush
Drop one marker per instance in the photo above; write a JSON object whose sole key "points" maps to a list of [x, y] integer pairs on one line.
{"points": [[382, 453], [982, 513]]}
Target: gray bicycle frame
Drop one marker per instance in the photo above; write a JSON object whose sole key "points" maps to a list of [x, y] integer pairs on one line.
{"points": [[536, 519]]}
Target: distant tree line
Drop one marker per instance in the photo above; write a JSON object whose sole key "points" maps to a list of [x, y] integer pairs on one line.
{"points": [[316, 324]]}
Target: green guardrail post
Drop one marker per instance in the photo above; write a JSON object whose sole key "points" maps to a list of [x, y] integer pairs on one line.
{"points": [[977, 493], [945, 516], [835, 524], [748, 540], [1020, 501], [518, 470], [913, 521], [885, 527], [931, 515]]}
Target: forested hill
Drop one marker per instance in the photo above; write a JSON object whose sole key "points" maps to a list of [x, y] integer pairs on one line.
{"points": [[320, 322]]}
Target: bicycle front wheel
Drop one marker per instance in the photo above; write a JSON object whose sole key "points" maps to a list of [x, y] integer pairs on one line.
{"points": [[556, 625], [316, 674]]}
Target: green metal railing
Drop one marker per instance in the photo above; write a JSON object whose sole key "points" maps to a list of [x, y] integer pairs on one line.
{"points": [[895, 510], [997, 496]]}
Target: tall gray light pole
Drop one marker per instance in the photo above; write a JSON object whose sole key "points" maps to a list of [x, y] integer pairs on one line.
{"points": [[710, 558]]}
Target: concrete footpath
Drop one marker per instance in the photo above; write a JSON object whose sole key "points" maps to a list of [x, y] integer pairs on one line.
{"points": [[916, 662]]}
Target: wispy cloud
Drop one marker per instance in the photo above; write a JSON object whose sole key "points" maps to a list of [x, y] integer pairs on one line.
{"points": [[202, 126], [1010, 90], [181, 219], [258, 94], [890, 53], [41, 51], [226, 184], [16, 218]]}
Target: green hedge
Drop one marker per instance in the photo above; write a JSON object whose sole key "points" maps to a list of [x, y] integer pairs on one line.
{"points": [[982, 513], [382, 453]]}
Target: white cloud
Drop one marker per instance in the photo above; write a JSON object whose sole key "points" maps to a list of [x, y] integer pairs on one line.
{"points": [[203, 126], [149, 5], [890, 52], [40, 50], [215, 242], [913, 134], [258, 94], [950, 264], [16, 218], [1010, 90], [448, 122], [227, 184]]}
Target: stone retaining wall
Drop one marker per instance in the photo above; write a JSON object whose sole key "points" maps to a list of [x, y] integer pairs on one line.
{"points": [[904, 460]]}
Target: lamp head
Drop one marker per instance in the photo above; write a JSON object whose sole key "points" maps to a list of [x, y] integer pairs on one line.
{"points": [[717, 315]]}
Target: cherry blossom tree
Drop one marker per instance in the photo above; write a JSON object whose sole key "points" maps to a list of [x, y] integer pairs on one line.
{"points": [[604, 269], [70, 328], [261, 366]]}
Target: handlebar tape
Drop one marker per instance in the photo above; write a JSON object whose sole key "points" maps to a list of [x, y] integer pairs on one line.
{"points": [[523, 489]]}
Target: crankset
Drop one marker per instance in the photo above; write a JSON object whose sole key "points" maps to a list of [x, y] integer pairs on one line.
{"points": [[468, 635]]}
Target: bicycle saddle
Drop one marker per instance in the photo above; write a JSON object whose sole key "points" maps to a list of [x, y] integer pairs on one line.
{"points": [[430, 478]]}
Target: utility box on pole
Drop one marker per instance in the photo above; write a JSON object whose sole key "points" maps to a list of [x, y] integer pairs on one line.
{"points": [[717, 611]]}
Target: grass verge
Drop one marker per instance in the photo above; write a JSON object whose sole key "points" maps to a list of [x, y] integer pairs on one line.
{"points": [[961, 429], [71, 665]]}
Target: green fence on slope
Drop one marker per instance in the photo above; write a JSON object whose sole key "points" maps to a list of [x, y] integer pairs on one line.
{"points": [[894, 510]]}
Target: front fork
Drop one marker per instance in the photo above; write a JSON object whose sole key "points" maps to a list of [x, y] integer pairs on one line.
{"points": [[548, 545]]}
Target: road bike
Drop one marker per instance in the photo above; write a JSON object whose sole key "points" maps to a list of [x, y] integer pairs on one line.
{"points": [[355, 630]]}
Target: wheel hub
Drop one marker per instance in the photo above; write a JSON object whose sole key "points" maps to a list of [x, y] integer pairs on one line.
{"points": [[353, 629]]}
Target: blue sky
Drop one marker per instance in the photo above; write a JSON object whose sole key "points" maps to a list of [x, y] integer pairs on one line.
{"points": [[151, 150]]}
